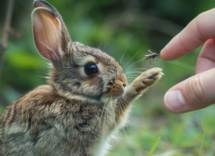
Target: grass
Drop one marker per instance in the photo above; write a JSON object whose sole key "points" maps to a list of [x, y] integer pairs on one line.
{"points": [[188, 138], [154, 147], [203, 137]]}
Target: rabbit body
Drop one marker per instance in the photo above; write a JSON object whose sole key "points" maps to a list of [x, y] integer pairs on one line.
{"points": [[85, 102], [45, 123]]}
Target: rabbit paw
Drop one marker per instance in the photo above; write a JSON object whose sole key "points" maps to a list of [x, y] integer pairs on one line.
{"points": [[145, 80]]}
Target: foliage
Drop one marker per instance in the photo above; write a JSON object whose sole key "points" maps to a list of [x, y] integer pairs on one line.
{"points": [[118, 26]]}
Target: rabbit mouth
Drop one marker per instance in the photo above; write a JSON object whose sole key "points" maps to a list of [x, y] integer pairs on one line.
{"points": [[115, 89], [110, 93]]}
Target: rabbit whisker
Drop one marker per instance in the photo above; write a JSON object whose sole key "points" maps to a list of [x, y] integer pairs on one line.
{"points": [[105, 46], [44, 77], [134, 72], [122, 56], [141, 68], [131, 59], [137, 70], [134, 64]]}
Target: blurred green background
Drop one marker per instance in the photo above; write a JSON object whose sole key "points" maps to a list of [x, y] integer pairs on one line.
{"points": [[118, 27]]}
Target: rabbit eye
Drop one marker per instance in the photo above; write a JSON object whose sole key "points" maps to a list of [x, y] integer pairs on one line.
{"points": [[91, 68]]}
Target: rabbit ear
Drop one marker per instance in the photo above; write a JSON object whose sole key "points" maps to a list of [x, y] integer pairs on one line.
{"points": [[47, 37], [50, 34]]}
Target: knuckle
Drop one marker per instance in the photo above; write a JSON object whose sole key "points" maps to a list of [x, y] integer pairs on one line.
{"points": [[200, 15], [197, 91], [200, 28]]}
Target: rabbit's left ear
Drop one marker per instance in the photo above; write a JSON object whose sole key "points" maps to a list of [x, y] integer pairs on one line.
{"points": [[50, 34], [47, 36]]}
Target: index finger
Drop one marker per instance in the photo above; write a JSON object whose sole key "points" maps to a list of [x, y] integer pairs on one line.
{"points": [[191, 37]]}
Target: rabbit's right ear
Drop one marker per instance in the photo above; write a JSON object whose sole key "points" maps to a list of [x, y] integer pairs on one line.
{"points": [[50, 34]]}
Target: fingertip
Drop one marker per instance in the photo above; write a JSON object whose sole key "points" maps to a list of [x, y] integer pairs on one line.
{"points": [[165, 51], [164, 54], [167, 54], [172, 50]]}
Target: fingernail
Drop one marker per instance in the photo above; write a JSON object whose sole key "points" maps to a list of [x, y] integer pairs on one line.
{"points": [[175, 100]]}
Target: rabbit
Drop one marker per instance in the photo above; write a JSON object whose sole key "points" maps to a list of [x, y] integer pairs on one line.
{"points": [[86, 101]]}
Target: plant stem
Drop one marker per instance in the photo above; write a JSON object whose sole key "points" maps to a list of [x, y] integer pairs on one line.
{"points": [[3, 44]]}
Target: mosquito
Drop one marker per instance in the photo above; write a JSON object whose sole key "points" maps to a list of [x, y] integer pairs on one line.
{"points": [[150, 56]]}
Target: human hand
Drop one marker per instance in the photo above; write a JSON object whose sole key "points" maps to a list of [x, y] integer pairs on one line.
{"points": [[197, 91]]}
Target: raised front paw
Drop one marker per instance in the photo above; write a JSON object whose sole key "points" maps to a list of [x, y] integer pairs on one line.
{"points": [[146, 79]]}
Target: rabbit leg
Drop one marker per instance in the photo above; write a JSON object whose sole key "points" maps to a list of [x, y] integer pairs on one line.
{"points": [[137, 87]]}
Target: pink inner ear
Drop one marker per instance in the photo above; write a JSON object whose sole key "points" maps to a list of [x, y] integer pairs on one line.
{"points": [[46, 30]]}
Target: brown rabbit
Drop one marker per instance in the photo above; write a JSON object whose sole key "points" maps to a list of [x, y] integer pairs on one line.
{"points": [[86, 101]]}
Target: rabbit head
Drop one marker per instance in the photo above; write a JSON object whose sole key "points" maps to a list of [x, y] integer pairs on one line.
{"points": [[78, 71]]}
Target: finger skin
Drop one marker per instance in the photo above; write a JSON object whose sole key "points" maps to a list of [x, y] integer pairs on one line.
{"points": [[198, 92], [206, 59], [198, 31]]}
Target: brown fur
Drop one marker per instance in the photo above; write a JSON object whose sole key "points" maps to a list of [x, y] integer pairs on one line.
{"points": [[75, 114]]}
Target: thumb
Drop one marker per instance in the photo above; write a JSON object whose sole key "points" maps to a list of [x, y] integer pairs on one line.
{"points": [[191, 94]]}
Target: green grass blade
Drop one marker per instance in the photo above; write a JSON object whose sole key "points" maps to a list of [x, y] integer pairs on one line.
{"points": [[210, 143], [154, 147], [203, 137]]}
